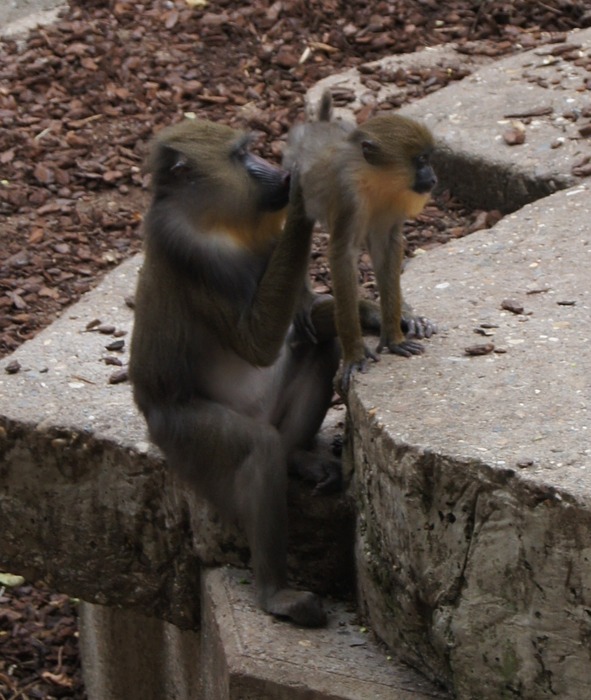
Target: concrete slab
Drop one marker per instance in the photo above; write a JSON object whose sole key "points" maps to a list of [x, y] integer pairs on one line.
{"points": [[128, 656], [543, 92], [84, 500], [250, 656], [18, 16], [474, 472]]}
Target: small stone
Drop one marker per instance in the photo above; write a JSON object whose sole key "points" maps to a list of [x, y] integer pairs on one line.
{"points": [[514, 136], [481, 349], [116, 346], [512, 305], [119, 377]]}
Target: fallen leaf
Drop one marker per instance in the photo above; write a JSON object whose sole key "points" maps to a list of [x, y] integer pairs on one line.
{"points": [[43, 174], [11, 580], [171, 18], [36, 235]]}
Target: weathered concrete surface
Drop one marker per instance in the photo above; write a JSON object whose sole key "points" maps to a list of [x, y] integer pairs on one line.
{"points": [[128, 656], [251, 657], [74, 459], [469, 118], [474, 473], [18, 16]]}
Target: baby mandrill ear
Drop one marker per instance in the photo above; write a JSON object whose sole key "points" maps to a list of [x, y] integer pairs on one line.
{"points": [[371, 152]]}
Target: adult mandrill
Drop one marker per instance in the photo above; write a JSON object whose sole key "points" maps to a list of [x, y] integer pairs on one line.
{"points": [[232, 392]]}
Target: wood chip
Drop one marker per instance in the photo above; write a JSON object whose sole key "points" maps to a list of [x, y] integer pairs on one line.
{"points": [[512, 305], [480, 349]]}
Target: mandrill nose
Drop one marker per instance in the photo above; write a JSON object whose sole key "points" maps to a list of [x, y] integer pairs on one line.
{"points": [[426, 181]]}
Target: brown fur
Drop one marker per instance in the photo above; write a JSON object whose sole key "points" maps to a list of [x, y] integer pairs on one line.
{"points": [[230, 391], [363, 182]]}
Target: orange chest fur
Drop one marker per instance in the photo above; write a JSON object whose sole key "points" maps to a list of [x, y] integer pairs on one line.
{"points": [[381, 193], [255, 236]]}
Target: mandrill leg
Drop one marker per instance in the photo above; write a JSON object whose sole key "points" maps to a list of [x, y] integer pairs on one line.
{"points": [[239, 464]]}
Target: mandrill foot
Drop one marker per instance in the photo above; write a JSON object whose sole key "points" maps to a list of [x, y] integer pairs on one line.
{"points": [[300, 607]]}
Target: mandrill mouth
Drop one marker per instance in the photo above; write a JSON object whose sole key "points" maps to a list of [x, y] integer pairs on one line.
{"points": [[424, 188]]}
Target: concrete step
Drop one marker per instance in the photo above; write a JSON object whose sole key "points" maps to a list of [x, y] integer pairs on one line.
{"points": [[473, 471], [251, 656]]}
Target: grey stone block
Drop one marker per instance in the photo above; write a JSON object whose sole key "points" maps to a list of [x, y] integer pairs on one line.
{"points": [[128, 656], [473, 472]]}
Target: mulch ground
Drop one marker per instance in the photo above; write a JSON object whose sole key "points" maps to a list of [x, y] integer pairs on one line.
{"points": [[79, 102]]}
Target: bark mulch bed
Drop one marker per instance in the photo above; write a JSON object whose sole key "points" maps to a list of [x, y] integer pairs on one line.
{"points": [[80, 100]]}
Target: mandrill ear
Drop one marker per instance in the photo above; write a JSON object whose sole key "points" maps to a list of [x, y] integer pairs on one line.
{"points": [[179, 164], [372, 152], [166, 164]]}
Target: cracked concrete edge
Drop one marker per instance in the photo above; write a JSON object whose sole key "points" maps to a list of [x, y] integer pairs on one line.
{"points": [[444, 553], [454, 536], [95, 520]]}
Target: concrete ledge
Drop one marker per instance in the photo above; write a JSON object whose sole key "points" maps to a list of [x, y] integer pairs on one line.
{"points": [[239, 653], [17, 17], [474, 472], [250, 656]]}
